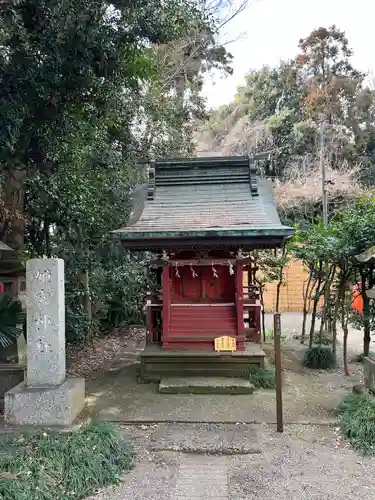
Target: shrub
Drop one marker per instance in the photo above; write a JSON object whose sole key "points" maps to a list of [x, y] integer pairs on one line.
{"points": [[358, 422], [358, 358], [263, 377], [53, 466], [325, 340], [11, 315], [319, 358]]}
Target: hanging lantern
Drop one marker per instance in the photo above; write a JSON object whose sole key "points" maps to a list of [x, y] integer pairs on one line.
{"points": [[193, 273]]}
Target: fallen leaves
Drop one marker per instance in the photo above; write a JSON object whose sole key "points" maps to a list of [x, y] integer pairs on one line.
{"points": [[83, 360]]}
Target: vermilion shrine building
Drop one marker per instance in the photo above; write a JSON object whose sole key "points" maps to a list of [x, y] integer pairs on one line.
{"points": [[201, 218]]}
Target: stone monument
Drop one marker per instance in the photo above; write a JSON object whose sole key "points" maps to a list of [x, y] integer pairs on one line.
{"points": [[47, 397]]}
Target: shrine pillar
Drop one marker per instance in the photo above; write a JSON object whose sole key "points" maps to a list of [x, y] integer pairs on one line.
{"points": [[239, 302], [166, 296]]}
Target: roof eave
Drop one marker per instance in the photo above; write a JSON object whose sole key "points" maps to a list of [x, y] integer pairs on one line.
{"points": [[249, 239]]}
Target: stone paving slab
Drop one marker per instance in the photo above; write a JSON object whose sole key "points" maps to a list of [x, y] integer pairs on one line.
{"points": [[210, 439], [205, 385]]}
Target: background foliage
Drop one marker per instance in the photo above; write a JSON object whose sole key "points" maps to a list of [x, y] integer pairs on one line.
{"points": [[87, 88]]}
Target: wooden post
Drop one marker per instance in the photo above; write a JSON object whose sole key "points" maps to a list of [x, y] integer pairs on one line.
{"points": [[239, 298], [279, 395], [149, 336], [166, 304]]}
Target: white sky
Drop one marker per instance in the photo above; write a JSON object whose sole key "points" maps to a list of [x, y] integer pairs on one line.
{"points": [[269, 31]]}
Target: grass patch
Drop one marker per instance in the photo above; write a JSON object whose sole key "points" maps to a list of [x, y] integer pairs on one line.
{"points": [[358, 422], [319, 358], [55, 466], [264, 378]]}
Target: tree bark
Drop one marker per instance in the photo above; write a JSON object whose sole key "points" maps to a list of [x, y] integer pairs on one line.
{"points": [[326, 315], [278, 289], [366, 316], [334, 325], [344, 325], [306, 305], [280, 282], [87, 305], [13, 225], [263, 313], [261, 289], [315, 306], [345, 348]]}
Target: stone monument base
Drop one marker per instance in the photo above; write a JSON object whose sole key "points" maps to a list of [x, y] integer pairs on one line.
{"points": [[47, 406]]}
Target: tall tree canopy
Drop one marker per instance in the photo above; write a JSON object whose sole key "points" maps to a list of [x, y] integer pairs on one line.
{"points": [[87, 87], [280, 109]]}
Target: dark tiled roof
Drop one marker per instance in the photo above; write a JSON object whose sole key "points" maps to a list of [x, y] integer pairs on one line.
{"points": [[203, 196]]}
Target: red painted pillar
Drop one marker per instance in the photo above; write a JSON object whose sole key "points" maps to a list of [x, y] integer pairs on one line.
{"points": [[166, 295], [239, 305]]}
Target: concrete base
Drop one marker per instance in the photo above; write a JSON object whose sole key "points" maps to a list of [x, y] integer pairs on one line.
{"points": [[52, 406], [10, 376], [205, 385]]}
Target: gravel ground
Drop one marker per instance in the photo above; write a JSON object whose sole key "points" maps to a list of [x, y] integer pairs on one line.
{"points": [[237, 461], [306, 462]]}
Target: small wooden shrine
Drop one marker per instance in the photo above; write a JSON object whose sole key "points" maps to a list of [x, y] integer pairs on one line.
{"points": [[201, 218]]}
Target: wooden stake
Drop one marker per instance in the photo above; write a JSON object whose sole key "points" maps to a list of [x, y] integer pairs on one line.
{"points": [[279, 394]]}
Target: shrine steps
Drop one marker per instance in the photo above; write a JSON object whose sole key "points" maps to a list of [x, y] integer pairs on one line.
{"points": [[157, 363], [205, 385]]}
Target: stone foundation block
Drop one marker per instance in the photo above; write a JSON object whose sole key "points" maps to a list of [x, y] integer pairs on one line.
{"points": [[205, 385], [52, 406]]}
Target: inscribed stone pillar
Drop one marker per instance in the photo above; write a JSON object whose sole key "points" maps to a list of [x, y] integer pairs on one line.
{"points": [[47, 397], [45, 322]]}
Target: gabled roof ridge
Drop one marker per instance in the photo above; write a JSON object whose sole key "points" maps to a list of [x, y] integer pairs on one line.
{"points": [[208, 170]]}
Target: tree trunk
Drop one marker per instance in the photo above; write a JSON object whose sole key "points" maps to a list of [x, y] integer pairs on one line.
{"points": [[312, 327], [87, 305], [306, 305], [261, 295], [315, 306], [278, 289], [12, 219], [263, 313], [334, 325], [366, 317], [344, 325], [322, 325], [303, 332], [345, 349], [327, 313]]}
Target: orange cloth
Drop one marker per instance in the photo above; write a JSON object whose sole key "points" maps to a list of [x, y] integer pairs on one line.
{"points": [[357, 300]]}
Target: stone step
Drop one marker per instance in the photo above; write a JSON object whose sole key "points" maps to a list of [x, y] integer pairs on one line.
{"points": [[205, 385]]}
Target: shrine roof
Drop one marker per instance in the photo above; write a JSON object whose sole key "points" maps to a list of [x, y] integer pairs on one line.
{"points": [[203, 199]]}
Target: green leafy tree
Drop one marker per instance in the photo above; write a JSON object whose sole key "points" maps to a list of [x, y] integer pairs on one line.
{"points": [[85, 92]]}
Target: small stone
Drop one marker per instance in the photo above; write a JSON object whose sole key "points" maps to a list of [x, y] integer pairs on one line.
{"points": [[359, 389]]}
